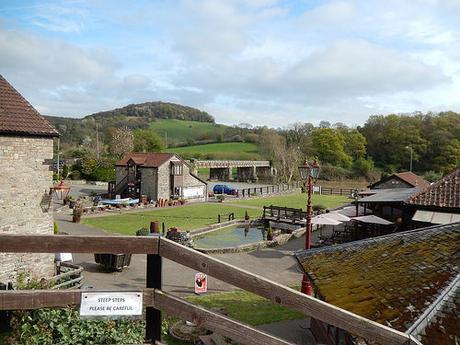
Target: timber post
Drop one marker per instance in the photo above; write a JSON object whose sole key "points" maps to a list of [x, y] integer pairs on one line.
{"points": [[153, 280]]}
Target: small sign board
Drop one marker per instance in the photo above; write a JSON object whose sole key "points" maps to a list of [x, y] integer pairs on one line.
{"points": [[111, 304], [201, 283]]}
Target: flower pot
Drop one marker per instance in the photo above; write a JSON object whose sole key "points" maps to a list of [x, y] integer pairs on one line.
{"points": [[113, 262]]}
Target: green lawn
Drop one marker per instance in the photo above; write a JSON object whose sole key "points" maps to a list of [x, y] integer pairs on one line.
{"points": [[199, 215], [232, 150], [178, 130], [186, 217], [246, 307], [295, 200]]}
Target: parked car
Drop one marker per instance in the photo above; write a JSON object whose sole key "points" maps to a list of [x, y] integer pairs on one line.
{"points": [[224, 189]]}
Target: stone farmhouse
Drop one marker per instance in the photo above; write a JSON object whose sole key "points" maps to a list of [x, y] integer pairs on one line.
{"points": [[158, 176], [26, 152]]}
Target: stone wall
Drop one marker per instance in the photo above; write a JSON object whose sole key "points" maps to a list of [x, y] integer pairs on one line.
{"points": [[149, 183], [24, 181], [164, 175], [192, 181]]}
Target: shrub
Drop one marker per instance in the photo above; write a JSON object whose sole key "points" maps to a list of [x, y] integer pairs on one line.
{"points": [[143, 232], [64, 326], [432, 176], [55, 228], [318, 207], [333, 173]]}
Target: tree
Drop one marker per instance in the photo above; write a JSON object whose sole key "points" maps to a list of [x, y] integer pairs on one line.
{"points": [[285, 158], [122, 142], [147, 140], [329, 147], [355, 143]]}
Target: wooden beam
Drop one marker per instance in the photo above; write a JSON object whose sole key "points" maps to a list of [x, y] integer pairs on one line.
{"points": [[36, 299], [213, 321], [78, 244], [283, 295]]}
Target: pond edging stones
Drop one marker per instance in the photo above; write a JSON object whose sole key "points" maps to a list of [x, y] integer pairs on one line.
{"points": [[277, 241]]}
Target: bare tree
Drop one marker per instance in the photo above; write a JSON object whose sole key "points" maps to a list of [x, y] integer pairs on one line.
{"points": [[122, 141], [285, 158]]}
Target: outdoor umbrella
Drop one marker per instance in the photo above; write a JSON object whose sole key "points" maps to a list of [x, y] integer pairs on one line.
{"points": [[371, 219], [323, 219], [350, 211], [338, 216]]}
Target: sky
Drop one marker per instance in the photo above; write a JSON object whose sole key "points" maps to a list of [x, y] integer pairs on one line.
{"points": [[263, 62]]}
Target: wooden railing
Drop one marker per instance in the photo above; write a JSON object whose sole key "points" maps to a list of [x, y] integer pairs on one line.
{"points": [[155, 299]]}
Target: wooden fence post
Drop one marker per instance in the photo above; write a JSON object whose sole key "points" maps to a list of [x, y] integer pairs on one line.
{"points": [[153, 280]]}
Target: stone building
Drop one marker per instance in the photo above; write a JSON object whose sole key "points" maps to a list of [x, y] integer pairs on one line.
{"points": [[156, 175], [26, 151]]}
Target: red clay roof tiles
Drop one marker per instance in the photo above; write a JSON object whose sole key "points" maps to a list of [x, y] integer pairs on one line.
{"points": [[444, 193], [18, 117], [151, 160]]}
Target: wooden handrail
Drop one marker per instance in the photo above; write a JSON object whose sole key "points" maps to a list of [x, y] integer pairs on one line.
{"points": [[37, 299], [78, 244], [280, 294], [275, 292]]}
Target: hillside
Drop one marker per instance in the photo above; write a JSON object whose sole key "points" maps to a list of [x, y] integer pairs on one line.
{"points": [[76, 131], [182, 132], [230, 150], [157, 110]]}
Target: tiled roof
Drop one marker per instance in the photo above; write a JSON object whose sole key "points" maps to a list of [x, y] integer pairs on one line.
{"points": [[18, 117], [389, 279], [408, 177], [445, 328], [413, 179], [444, 193], [150, 160]]}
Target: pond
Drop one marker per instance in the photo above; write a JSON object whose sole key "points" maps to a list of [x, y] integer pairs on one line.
{"points": [[230, 237]]}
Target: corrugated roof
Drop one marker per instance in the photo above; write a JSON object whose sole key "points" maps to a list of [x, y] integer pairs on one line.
{"points": [[148, 159], [390, 195], [444, 193], [389, 279], [18, 117]]}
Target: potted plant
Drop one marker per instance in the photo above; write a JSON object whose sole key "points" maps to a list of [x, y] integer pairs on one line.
{"points": [[270, 234], [220, 198], [77, 212]]}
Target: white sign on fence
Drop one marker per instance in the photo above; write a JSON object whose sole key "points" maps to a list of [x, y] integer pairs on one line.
{"points": [[110, 303]]}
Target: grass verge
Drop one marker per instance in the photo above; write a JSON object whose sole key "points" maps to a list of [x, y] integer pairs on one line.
{"points": [[187, 217]]}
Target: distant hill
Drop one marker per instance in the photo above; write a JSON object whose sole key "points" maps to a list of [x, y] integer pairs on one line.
{"points": [[157, 110], [228, 150], [76, 131]]}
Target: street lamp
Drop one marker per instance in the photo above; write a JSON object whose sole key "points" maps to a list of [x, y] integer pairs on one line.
{"points": [[411, 154], [307, 173]]}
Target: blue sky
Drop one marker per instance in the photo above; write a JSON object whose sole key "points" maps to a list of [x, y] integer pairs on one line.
{"points": [[256, 61]]}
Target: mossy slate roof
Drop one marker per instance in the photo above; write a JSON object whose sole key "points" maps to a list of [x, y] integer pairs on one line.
{"points": [[389, 279], [18, 117]]}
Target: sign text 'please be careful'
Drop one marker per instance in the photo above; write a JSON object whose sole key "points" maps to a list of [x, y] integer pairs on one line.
{"points": [[111, 303]]}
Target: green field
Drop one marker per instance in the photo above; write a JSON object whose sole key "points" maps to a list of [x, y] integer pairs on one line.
{"points": [[295, 200], [186, 217], [199, 215], [181, 130], [236, 150]]}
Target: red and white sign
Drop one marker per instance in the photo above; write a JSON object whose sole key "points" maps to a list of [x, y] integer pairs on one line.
{"points": [[201, 283]]}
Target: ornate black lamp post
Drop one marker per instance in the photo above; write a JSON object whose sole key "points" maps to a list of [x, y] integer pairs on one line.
{"points": [[308, 173]]}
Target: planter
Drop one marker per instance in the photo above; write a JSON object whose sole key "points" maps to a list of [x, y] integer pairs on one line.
{"points": [[76, 218], [113, 262]]}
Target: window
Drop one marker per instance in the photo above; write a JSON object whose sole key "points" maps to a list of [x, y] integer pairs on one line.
{"points": [[176, 169]]}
